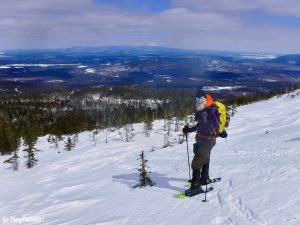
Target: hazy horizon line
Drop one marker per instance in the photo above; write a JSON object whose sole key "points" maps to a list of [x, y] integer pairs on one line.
{"points": [[150, 46]]}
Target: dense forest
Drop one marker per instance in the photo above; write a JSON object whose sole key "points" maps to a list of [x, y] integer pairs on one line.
{"points": [[63, 114], [70, 112]]}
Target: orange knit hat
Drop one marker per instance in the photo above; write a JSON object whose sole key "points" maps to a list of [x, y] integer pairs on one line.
{"points": [[209, 100]]}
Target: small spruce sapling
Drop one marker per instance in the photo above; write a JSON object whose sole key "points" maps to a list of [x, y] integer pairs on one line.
{"points": [[69, 144], [145, 180], [181, 138], [168, 133]]}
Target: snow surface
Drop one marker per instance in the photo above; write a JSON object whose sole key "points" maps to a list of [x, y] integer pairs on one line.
{"points": [[5, 67], [55, 81], [218, 88], [270, 80], [33, 65], [257, 56], [259, 164], [90, 70]]}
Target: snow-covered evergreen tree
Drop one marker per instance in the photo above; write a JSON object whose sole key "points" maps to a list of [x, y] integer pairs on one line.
{"points": [[128, 132], [168, 133], [145, 180], [148, 126]]}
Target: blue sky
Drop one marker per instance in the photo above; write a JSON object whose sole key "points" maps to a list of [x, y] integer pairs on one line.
{"points": [[131, 5], [239, 25]]}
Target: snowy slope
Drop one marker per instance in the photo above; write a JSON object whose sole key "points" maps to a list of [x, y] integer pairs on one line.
{"points": [[259, 165]]}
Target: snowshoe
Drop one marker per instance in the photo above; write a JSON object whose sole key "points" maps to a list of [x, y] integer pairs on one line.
{"points": [[209, 181], [205, 181], [193, 191]]}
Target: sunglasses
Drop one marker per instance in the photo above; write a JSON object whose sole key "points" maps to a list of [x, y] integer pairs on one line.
{"points": [[200, 100]]}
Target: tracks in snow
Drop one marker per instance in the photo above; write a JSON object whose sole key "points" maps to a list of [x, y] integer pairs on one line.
{"points": [[238, 212]]}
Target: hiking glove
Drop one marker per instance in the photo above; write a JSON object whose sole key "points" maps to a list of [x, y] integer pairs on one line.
{"points": [[223, 134], [186, 129]]}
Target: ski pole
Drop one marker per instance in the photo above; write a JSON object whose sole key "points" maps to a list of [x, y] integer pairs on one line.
{"points": [[187, 149], [206, 182]]}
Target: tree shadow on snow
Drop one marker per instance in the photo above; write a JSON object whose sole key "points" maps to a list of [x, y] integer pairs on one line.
{"points": [[294, 139], [161, 181]]}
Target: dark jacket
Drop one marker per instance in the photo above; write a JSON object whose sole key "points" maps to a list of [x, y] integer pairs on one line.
{"points": [[207, 126]]}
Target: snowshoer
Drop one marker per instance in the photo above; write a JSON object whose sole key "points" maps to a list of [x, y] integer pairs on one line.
{"points": [[207, 129]]}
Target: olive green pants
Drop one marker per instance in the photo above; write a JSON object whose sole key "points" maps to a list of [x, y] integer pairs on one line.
{"points": [[201, 151]]}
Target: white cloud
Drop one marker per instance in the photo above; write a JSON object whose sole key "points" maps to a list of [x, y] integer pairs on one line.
{"points": [[185, 19], [276, 7], [198, 24]]}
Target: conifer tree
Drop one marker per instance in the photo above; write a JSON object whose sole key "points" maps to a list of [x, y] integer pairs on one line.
{"points": [[14, 160], [148, 126], [181, 138], [55, 139], [29, 142], [145, 180], [128, 132], [69, 144], [167, 134]]}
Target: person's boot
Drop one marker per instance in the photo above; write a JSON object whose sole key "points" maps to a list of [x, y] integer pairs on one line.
{"points": [[195, 186], [204, 175], [205, 181]]}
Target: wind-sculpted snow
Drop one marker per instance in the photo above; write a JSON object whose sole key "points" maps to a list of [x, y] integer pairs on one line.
{"points": [[92, 184]]}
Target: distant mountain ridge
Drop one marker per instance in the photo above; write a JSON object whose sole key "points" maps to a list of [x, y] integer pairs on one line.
{"points": [[293, 59], [159, 67]]}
